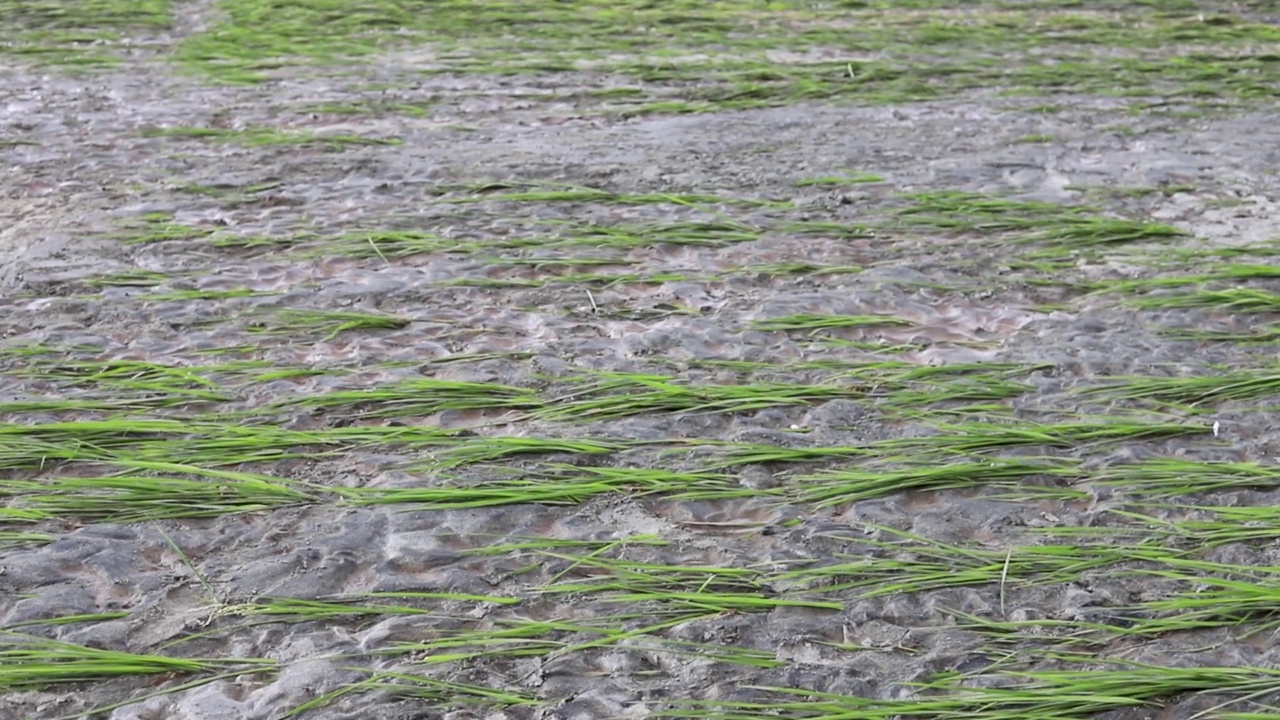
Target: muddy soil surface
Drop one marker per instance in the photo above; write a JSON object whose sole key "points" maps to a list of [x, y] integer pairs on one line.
{"points": [[568, 292]]}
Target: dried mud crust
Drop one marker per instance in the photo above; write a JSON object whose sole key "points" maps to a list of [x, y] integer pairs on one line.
{"points": [[833, 409]]}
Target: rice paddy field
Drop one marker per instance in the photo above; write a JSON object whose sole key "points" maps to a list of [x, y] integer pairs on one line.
{"points": [[584, 360]]}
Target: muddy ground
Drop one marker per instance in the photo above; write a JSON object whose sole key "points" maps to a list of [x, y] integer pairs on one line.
{"points": [[120, 241]]}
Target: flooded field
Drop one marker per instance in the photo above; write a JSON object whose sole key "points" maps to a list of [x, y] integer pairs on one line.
{"points": [[584, 360]]}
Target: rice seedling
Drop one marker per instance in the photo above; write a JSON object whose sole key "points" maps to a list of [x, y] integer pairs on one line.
{"points": [[1231, 272], [1032, 222], [836, 486], [204, 444], [28, 662], [729, 455], [547, 193], [715, 234], [796, 268], [839, 180], [457, 453], [16, 538], [1170, 477], [188, 295], [71, 619], [511, 492], [329, 323], [134, 376], [1105, 687], [256, 137], [1246, 300], [1263, 335], [132, 496], [974, 437], [1190, 392], [157, 229], [413, 398], [130, 278], [710, 590], [619, 395], [825, 322], [826, 228], [300, 610], [1244, 595], [422, 687], [909, 563]]}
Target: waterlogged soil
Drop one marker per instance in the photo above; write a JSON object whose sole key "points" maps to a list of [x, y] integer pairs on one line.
{"points": [[480, 216]]}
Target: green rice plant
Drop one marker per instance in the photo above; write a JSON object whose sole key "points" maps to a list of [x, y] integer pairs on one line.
{"points": [[1262, 335], [729, 455], [133, 376], [974, 437], [1170, 477], [836, 486], [421, 688], [71, 619], [840, 180], [825, 322], [189, 295], [32, 663], [1102, 688], [1245, 594], [1035, 222], [619, 395], [130, 278], [550, 192], [501, 447], [511, 492], [330, 323], [132, 496], [793, 268], [257, 137], [930, 394], [717, 233], [150, 229], [1241, 385], [557, 484], [300, 610], [520, 640], [706, 590], [1246, 300], [201, 443], [699, 485], [910, 563], [410, 398], [16, 538], [827, 228], [1223, 525], [1232, 272]]}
